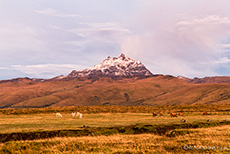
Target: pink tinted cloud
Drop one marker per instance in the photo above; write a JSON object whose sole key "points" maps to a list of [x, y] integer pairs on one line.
{"points": [[175, 39]]}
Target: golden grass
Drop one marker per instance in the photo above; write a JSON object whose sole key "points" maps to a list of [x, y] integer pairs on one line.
{"points": [[107, 116], [142, 143], [216, 109], [35, 122]]}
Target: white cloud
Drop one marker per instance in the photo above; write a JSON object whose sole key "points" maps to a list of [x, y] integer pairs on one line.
{"points": [[108, 31], [223, 60], [189, 37], [55, 27], [212, 19], [225, 45], [52, 12], [18, 37], [76, 43], [182, 45], [205, 33], [46, 70], [4, 68]]}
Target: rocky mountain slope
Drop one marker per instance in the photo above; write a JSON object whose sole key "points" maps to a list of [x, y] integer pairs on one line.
{"points": [[121, 66]]}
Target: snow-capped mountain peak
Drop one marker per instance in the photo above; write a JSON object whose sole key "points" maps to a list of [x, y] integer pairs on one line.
{"points": [[120, 62], [122, 66]]}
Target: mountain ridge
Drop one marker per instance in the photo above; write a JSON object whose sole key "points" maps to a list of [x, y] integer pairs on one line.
{"points": [[122, 66], [206, 80], [113, 67], [133, 85], [156, 90]]}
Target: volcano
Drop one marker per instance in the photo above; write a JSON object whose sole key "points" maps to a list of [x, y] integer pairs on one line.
{"points": [[122, 66]]}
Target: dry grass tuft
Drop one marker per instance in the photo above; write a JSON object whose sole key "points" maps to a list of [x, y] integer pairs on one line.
{"points": [[143, 143]]}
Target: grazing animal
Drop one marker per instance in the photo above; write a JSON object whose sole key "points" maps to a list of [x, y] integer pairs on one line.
{"points": [[84, 126], [173, 115], [183, 120], [58, 115], [73, 114], [161, 114], [154, 114], [181, 114], [205, 113], [79, 115], [208, 120]]}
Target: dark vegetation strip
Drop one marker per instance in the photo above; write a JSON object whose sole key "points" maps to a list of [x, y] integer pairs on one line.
{"points": [[121, 109], [96, 131]]}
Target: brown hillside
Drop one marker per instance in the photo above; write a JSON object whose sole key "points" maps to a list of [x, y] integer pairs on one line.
{"points": [[157, 90], [213, 79]]}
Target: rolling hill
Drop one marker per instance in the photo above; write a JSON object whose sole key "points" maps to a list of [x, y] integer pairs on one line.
{"points": [[156, 90]]}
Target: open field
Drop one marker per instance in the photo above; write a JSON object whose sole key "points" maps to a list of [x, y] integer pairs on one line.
{"points": [[115, 129], [41, 122], [214, 109]]}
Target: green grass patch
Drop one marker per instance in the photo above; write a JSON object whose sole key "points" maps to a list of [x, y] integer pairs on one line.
{"points": [[96, 131]]}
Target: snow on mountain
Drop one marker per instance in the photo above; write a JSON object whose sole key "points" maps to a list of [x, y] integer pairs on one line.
{"points": [[184, 78], [121, 66]]}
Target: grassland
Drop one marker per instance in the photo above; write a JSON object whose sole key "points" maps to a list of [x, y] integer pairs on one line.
{"points": [[115, 129], [141, 143], [44, 122], [165, 109], [218, 137], [117, 116]]}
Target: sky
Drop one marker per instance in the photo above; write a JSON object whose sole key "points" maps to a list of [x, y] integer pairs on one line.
{"points": [[47, 38]]}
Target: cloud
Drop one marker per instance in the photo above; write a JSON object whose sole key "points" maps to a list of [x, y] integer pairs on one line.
{"points": [[178, 41], [14, 36], [223, 60], [46, 70], [225, 47], [3, 68], [99, 39], [212, 19], [188, 37], [55, 27], [106, 32], [52, 12]]}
